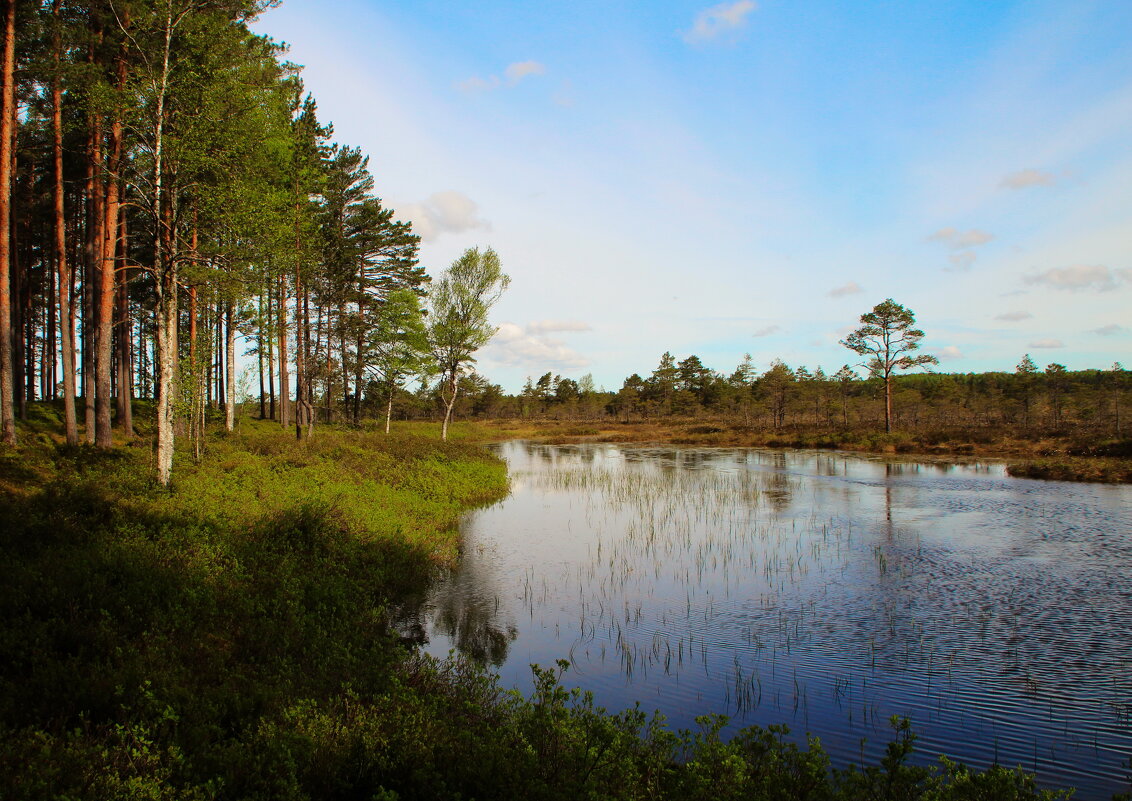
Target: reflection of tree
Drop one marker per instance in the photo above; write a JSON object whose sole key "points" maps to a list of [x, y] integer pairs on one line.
{"points": [[779, 489], [470, 624], [464, 606]]}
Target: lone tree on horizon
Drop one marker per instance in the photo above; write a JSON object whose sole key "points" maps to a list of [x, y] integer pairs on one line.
{"points": [[887, 335]]}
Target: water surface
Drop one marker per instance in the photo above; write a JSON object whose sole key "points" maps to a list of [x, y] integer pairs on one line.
{"points": [[822, 590]]}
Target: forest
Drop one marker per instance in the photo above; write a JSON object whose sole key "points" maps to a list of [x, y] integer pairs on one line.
{"points": [[176, 209]]}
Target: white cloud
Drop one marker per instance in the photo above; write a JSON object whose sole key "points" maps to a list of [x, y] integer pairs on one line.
{"points": [[521, 69], [513, 74], [443, 213], [1023, 179], [719, 21], [1080, 276], [475, 84], [958, 240], [961, 261], [1047, 343], [766, 331], [1013, 317], [851, 288], [548, 326], [1108, 330], [529, 347], [949, 353]]}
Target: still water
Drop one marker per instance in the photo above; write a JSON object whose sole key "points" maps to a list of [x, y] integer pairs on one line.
{"points": [[822, 590]]}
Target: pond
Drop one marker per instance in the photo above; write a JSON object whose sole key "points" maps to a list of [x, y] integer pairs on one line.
{"points": [[823, 590]]}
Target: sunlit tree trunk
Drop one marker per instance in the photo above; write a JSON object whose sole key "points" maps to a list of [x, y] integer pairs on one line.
{"points": [[105, 289], [284, 382], [62, 268], [453, 388], [93, 266], [124, 338], [165, 273], [7, 133], [230, 348]]}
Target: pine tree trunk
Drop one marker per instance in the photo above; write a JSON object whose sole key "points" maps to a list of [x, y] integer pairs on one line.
{"points": [[270, 353], [301, 406], [888, 404], [7, 107], [93, 266], [284, 382], [105, 294], [259, 338], [124, 338], [230, 364]]}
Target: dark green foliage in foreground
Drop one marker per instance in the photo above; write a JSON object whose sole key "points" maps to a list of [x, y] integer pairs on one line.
{"points": [[230, 638]]}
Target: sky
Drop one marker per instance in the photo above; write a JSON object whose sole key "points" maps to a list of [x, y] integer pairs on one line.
{"points": [[750, 176]]}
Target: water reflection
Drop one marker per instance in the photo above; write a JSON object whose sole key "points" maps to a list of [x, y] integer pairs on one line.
{"points": [[821, 590]]}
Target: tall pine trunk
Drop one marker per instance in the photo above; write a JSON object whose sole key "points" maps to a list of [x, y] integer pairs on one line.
{"points": [[284, 382], [7, 134], [105, 291], [230, 365], [95, 238], [124, 338]]}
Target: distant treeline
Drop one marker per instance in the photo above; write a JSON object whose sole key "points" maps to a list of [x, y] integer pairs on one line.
{"points": [[1050, 399]]}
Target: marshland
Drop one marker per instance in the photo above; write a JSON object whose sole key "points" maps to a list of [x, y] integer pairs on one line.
{"points": [[824, 590]]}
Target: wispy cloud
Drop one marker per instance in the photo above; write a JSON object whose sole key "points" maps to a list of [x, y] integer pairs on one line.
{"points": [[961, 262], [1108, 330], [476, 85], [962, 244], [443, 213], [550, 326], [1047, 344], [512, 74], [528, 346], [522, 69], [851, 288], [1080, 276], [956, 239], [1024, 179], [766, 331], [1014, 316], [719, 22], [949, 353]]}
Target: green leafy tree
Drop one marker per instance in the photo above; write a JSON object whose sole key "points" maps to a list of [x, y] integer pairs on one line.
{"points": [[888, 338], [460, 302], [399, 344]]}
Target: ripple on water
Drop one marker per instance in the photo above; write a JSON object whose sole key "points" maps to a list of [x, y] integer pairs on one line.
{"points": [[822, 590]]}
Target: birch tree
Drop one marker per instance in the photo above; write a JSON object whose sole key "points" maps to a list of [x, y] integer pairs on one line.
{"points": [[460, 302]]}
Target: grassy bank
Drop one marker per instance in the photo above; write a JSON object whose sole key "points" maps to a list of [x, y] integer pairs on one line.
{"points": [[229, 638], [1064, 457]]}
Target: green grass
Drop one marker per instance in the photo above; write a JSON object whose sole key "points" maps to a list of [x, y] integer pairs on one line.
{"points": [[229, 637]]}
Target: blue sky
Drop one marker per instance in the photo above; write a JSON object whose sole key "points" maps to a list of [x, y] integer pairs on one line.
{"points": [[749, 177]]}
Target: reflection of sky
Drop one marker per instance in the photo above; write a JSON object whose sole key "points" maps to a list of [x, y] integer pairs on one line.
{"points": [[821, 590]]}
